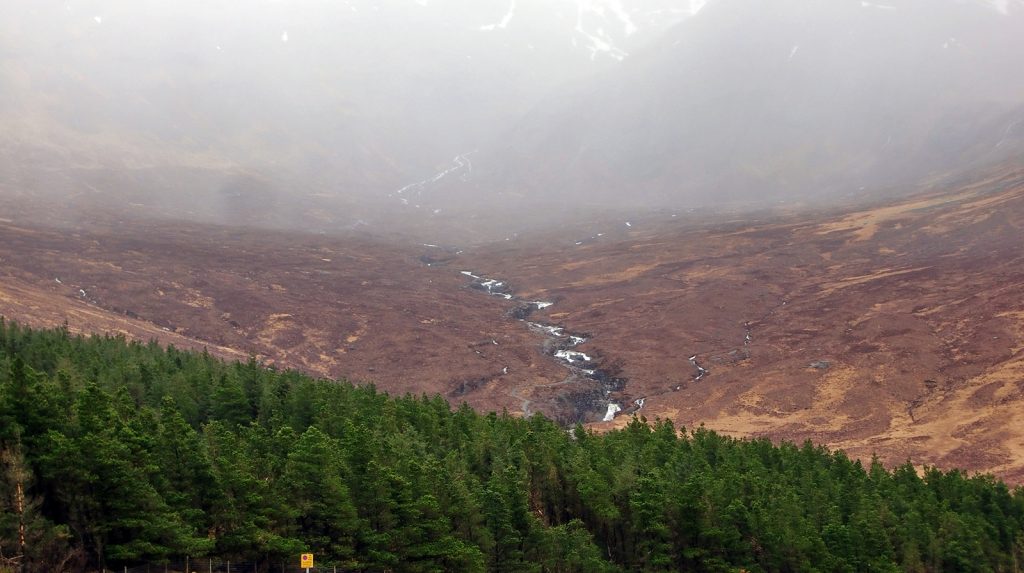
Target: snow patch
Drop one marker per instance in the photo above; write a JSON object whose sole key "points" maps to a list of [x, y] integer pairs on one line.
{"points": [[460, 163], [1006, 132], [504, 21], [629, 28], [1001, 6], [597, 42]]}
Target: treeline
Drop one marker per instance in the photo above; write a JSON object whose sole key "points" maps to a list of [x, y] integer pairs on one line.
{"points": [[130, 453]]}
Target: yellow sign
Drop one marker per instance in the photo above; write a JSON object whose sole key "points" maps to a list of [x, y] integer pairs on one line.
{"points": [[306, 561]]}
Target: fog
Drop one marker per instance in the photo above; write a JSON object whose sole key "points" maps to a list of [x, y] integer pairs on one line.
{"points": [[423, 114]]}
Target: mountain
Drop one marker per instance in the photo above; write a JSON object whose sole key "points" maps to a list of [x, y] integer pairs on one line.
{"points": [[304, 113], [760, 101], [893, 328], [148, 145], [486, 118]]}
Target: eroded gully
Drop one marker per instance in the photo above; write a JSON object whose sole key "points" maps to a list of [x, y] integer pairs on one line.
{"points": [[599, 390], [599, 394]]}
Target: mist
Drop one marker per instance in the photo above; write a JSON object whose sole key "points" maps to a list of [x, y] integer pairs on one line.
{"points": [[494, 116]]}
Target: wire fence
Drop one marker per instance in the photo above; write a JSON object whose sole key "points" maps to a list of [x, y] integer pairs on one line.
{"points": [[205, 565]]}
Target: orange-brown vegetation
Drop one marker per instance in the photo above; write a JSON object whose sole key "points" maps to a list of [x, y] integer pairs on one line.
{"points": [[895, 329]]}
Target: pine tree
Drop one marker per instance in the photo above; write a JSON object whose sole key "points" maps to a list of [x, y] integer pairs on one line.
{"points": [[313, 485], [185, 479], [105, 485]]}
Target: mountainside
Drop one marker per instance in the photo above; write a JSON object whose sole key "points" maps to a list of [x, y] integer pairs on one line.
{"points": [[512, 285], [299, 110], [891, 328], [485, 119], [753, 102], [330, 306], [894, 329]]}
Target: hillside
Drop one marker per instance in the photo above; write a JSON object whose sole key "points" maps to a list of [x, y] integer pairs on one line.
{"points": [[894, 328], [330, 306], [752, 102], [538, 286], [888, 328], [282, 114], [497, 117]]}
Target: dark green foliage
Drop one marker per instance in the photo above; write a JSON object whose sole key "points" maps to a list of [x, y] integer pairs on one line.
{"points": [[130, 453]]}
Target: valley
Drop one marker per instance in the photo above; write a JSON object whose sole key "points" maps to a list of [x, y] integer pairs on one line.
{"points": [[512, 285], [891, 329]]}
